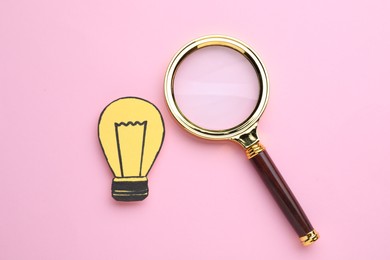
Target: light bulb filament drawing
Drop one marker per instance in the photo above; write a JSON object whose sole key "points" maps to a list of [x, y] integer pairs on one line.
{"points": [[130, 138]]}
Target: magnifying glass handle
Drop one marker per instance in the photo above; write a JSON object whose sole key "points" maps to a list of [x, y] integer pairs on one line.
{"points": [[284, 197]]}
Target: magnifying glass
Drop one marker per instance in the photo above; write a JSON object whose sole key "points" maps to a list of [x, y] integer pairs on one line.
{"points": [[210, 101]]}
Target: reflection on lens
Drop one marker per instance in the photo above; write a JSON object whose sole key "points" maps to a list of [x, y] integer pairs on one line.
{"points": [[216, 88]]}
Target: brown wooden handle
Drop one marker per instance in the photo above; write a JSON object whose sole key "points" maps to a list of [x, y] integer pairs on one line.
{"points": [[284, 197]]}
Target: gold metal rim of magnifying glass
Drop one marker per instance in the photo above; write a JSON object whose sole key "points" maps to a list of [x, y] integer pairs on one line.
{"points": [[234, 133]]}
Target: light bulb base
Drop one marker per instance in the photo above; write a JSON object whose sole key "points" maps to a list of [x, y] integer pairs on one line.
{"points": [[123, 190]]}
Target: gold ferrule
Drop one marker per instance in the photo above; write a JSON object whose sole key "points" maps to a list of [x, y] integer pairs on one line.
{"points": [[254, 150], [310, 238]]}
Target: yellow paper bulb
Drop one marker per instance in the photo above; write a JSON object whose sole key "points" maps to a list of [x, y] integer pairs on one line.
{"points": [[131, 132]]}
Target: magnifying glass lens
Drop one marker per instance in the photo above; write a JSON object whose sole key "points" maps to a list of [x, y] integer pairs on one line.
{"points": [[216, 88]]}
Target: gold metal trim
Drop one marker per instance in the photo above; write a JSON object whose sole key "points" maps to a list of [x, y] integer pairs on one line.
{"points": [[310, 238], [254, 150], [245, 133]]}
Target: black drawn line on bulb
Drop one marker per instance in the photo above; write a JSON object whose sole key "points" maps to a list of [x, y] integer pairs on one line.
{"points": [[131, 123], [117, 125], [143, 147], [119, 148]]}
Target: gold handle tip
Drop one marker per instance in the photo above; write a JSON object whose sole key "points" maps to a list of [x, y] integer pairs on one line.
{"points": [[310, 238]]}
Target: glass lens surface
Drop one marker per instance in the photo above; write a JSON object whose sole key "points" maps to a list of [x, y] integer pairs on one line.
{"points": [[216, 88]]}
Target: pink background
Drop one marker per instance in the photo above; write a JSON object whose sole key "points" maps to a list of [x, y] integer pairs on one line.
{"points": [[326, 126]]}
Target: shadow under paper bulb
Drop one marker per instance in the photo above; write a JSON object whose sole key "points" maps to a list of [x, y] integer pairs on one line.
{"points": [[131, 132]]}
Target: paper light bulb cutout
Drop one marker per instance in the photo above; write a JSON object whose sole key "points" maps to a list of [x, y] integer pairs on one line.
{"points": [[131, 132]]}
